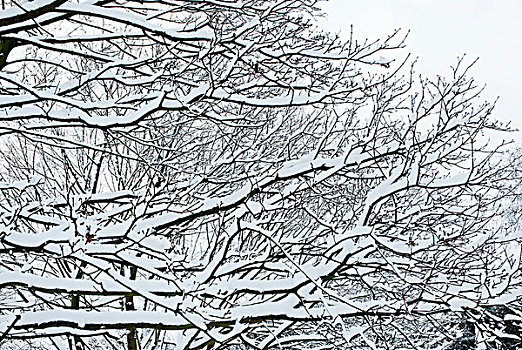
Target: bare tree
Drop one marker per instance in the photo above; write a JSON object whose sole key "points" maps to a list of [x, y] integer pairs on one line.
{"points": [[219, 174]]}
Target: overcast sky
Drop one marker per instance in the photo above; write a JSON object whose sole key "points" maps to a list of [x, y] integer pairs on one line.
{"points": [[441, 30]]}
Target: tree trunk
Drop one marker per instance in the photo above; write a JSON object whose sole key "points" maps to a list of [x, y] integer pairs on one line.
{"points": [[129, 306], [75, 304]]}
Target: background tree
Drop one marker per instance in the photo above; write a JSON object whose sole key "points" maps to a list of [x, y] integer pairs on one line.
{"points": [[191, 174]]}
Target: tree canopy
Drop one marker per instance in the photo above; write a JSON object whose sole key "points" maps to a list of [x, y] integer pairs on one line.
{"points": [[189, 174]]}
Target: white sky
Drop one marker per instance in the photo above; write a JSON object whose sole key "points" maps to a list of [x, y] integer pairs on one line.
{"points": [[442, 30]]}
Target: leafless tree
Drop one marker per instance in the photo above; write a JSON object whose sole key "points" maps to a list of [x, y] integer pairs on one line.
{"points": [[220, 174]]}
